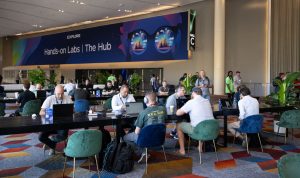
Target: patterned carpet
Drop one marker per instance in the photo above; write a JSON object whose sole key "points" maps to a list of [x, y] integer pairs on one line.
{"points": [[21, 155]]}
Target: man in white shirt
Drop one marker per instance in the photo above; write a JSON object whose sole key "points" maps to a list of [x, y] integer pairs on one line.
{"points": [[58, 98], [248, 106], [199, 109], [118, 102]]}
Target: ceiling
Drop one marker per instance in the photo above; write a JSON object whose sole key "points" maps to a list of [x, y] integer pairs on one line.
{"points": [[22, 16]]}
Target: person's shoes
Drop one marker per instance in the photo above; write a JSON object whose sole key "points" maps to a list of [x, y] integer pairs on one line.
{"points": [[143, 157], [173, 133], [51, 152], [175, 137], [244, 144]]}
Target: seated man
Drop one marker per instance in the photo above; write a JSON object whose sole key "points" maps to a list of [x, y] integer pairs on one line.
{"points": [[171, 101], [153, 114], [24, 97], [164, 89], [109, 88], [248, 106], [58, 98], [79, 93], [199, 109], [118, 102]]}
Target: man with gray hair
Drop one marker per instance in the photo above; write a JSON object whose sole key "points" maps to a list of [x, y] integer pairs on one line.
{"points": [[199, 109], [58, 98]]}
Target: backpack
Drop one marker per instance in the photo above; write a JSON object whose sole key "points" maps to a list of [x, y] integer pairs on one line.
{"points": [[106, 139], [118, 157]]}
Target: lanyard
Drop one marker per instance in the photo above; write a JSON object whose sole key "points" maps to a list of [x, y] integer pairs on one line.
{"points": [[122, 100]]}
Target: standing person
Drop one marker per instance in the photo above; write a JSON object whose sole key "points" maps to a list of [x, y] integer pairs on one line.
{"points": [[88, 84], [203, 83], [237, 79], [229, 89], [248, 106], [58, 98], [153, 83], [278, 78], [24, 97], [182, 78], [199, 109], [62, 79], [2, 95], [18, 78], [153, 114]]}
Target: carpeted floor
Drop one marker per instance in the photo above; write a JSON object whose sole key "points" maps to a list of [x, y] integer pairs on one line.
{"points": [[22, 155]]}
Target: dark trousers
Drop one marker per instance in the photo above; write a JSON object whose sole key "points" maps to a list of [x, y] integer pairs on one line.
{"points": [[60, 135], [230, 96]]}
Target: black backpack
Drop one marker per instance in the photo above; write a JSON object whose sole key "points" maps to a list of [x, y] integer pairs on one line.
{"points": [[106, 139], [118, 157]]}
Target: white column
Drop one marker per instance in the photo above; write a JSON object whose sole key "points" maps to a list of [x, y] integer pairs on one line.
{"points": [[219, 47]]}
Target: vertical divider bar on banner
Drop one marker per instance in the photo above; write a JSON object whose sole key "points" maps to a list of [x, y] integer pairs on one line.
{"points": [[192, 29]]}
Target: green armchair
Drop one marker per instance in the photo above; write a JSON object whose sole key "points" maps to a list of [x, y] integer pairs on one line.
{"points": [[288, 166], [31, 107], [289, 119]]}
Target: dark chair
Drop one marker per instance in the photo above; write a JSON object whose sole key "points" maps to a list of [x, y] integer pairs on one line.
{"points": [[82, 144], [289, 119], [31, 107], [152, 136], [107, 104], [81, 105], [251, 124]]}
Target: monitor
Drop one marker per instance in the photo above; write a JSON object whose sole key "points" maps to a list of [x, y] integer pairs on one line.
{"points": [[134, 108]]}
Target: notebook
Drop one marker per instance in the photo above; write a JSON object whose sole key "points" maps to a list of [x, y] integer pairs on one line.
{"points": [[134, 108], [63, 110]]}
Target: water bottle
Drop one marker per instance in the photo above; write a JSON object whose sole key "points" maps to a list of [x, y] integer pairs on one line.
{"points": [[220, 105], [234, 104], [49, 113]]}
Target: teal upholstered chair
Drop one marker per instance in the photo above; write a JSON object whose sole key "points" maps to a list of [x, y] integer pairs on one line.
{"points": [[288, 166], [81, 144], [289, 119], [107, 104], [205, 131], [31, 107]]}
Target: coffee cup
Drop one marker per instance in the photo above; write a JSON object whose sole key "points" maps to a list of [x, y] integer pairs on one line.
{"points": [[172, 109]]}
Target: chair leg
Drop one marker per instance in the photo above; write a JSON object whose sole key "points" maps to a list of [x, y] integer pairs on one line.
{"points": [[164, 152], [216, 150], [247, 144], [285, 136], [74, 165], [89, 164], [64, 166], [292, 136], [146, 159], [234, 137], [262, 150], [97, 166], [200, 154], [189, 144]]}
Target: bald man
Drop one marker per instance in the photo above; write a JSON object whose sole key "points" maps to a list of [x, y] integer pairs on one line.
{"points": [[58, 98]]}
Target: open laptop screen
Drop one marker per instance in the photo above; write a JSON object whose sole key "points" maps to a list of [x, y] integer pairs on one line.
{"points": [[63, 110], [134, 108]]}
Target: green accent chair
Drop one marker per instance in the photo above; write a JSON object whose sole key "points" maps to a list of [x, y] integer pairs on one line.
{"points": [[289, 119], [81, 144], [107, 104], [31, 107], [205, 131], [288, 166]]}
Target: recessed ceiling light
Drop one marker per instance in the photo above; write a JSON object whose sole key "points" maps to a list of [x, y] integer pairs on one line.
{"points": [[60, 10], [158, 4], [107, 17], [119, 10], [127, 10]]}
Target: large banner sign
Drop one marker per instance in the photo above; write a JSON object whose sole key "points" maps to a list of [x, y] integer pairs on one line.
{"points": [[152, 39]]}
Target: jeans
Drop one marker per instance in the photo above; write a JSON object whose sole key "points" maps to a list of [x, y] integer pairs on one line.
{"points": [[60, 136]]}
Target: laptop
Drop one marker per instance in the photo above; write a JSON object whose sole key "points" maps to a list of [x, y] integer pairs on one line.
{"points": [[63, 110], [134, 108], [180, 102], [226, 103], [41, 94]]}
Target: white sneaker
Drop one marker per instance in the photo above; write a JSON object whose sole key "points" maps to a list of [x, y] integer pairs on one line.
{"points": [[51, 152], [143, 158]]}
